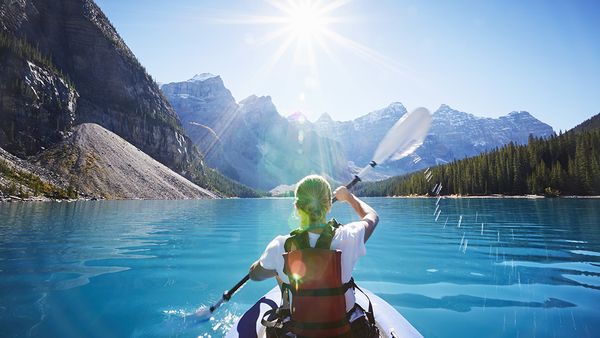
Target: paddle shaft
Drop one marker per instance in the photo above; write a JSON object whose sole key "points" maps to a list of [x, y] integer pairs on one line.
{"points": [[227, 294], [354, 181]]}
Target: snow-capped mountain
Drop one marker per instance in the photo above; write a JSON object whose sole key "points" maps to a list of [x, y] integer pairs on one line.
{"points": [[453, 135], [360, 137], [250, 141]]}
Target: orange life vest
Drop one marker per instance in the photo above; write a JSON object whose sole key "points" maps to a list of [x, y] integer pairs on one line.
{"points": [[318, 303]]}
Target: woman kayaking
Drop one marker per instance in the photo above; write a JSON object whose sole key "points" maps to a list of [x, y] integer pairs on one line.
{"points": [[314, 264]]}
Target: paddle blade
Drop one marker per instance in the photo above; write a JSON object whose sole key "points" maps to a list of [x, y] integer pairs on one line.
{"points": [[405, 136], [202, 314]]}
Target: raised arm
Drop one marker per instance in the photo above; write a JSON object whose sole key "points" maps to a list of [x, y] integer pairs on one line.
{"points": [[364, 211]]}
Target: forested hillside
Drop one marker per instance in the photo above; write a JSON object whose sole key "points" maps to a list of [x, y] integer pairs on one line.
{"points": [[589, 124], [567, 164]]}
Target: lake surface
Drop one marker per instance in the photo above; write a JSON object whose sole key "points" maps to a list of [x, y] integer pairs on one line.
{"points": [[485, 268]]}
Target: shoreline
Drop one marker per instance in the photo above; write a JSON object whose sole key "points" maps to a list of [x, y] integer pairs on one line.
{"points": [[14, 199], [496, 196]]}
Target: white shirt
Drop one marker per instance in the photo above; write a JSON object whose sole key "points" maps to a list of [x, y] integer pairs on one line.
{"points": [[349, 238]]}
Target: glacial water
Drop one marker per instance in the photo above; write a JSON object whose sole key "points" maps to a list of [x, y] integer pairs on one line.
{"points": [[455, 268]]}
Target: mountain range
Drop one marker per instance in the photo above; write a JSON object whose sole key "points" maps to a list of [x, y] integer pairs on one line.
{"points": [[251, 142], [453, 135]]}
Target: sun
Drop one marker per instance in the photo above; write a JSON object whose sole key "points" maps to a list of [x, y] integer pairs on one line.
{"points": [[306, 20], [306, 29]]}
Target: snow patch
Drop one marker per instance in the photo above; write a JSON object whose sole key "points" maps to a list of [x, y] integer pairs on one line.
{"points": [[202, 77]]}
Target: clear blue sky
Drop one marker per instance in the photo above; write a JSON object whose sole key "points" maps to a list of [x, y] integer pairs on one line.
{"points": [[483, 57]]}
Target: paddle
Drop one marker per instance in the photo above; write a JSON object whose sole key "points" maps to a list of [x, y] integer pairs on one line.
{"points": [[405, 136], [401, 140]]}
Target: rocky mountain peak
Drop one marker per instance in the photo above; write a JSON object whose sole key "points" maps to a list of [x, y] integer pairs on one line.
{"points": [[520, 115], [297, 117], [396, 106], [324, 118], [447, 113], [390, 113], [203, 86], [258, 103], [203, 77]]}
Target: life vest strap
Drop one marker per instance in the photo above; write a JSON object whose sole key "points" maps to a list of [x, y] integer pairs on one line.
{"points": [[319, 292], [320, 325], [370, 314], [299, 237], [276, 318]]}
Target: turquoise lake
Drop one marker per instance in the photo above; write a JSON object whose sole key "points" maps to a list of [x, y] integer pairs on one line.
{"points": [[484, 268]]}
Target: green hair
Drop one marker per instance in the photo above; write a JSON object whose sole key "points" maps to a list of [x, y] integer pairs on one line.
{"points": [[313, 199]]}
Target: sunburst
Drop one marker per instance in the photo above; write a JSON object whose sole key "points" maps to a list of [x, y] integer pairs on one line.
{"points": [[305, 29]]}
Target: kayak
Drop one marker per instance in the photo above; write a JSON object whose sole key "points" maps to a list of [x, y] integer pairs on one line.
{"points": [[390, 322]]}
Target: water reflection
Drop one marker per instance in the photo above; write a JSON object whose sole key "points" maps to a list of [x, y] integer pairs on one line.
{"points": [[465, 303]]}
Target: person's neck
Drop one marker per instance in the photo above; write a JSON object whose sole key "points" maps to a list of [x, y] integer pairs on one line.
{"points": [[315, 228]]}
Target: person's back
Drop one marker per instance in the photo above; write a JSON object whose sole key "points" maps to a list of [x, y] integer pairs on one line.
{"points": [[305, 263]]}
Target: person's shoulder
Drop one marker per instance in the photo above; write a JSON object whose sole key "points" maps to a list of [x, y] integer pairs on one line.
{"points": [[350, 229], [278, 241]]}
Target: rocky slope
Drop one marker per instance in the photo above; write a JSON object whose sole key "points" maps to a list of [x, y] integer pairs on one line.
{"points": [[98, 162], [113, 89], [20, 179], [250, 141]]}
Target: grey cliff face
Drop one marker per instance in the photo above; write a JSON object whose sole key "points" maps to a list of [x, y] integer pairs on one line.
{"points": [[114, 89], [37, 105], [208, 98]]}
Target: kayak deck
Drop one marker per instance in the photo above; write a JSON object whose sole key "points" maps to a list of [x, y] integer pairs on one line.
{"points": [[390, 322]]}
